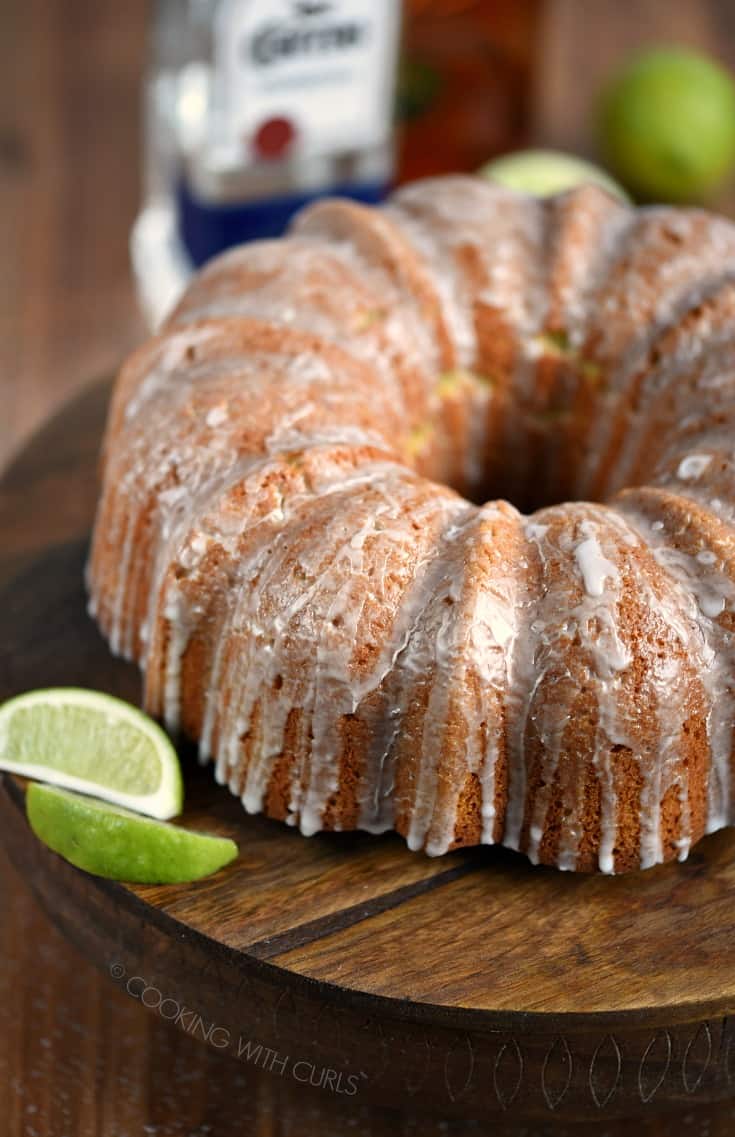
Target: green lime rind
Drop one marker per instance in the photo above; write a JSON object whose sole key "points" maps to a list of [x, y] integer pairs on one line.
{"points": [[111, 842], [543, 173], [93, 743], [667, 125]]}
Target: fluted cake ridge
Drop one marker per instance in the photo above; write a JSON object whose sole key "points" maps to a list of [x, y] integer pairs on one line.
{"points": [[302, 536]]}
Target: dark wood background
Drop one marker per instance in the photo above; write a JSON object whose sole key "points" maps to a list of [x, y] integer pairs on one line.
{"points": [[77, 1057]]}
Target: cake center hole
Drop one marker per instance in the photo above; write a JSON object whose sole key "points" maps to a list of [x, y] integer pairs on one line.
{"points": [[529, 455]]}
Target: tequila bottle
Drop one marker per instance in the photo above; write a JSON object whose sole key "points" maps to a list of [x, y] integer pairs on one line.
{"points": [[254, 108]]}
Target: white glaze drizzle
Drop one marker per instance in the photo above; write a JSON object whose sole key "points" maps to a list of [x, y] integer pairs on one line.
{"points": [[710, 592], [668, 261], [594, 567], [512, 640], [693, 466]]}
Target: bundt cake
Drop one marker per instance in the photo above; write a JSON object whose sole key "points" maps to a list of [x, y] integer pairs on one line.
{"points": [[291, 539]]}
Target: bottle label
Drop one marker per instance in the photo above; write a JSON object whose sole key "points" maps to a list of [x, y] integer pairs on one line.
{"points": [[299, 78]]}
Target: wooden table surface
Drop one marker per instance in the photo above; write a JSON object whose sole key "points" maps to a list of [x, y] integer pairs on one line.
{"points": [[77, 1057]]}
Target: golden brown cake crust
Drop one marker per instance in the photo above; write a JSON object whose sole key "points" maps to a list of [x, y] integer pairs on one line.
{"points": [[284, 539]]}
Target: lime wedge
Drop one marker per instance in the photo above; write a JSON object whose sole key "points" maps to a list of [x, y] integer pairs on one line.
{"points": [[93, 743], [542, 173], [111, 842]]}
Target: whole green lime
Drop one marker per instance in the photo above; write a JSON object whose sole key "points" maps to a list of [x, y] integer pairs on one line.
{"points": [[667, 125]]}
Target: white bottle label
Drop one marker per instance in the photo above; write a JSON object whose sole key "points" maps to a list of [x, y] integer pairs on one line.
{"points": [[301, 78]]}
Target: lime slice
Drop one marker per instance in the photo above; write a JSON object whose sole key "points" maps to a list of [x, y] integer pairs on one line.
{"points": [[542, 173], [93, 743], [111, 842]]}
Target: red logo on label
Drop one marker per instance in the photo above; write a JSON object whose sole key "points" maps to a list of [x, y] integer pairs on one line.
{"points": [[274, 138]]}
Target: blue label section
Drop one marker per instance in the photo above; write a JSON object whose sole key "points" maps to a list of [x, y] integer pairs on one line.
{"points": [[207, 229]]}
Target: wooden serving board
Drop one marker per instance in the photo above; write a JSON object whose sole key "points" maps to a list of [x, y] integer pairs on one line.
{"points": [[472, 984]]}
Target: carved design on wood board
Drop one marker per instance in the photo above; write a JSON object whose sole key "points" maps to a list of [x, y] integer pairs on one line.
{"points": [[556, 1072], [605, 1071], [459, 1066], [508, 1073], [654, 1066], [697, 1058]]}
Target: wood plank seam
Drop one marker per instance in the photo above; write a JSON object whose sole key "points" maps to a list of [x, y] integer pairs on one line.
{"points": [[313, 930]]}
